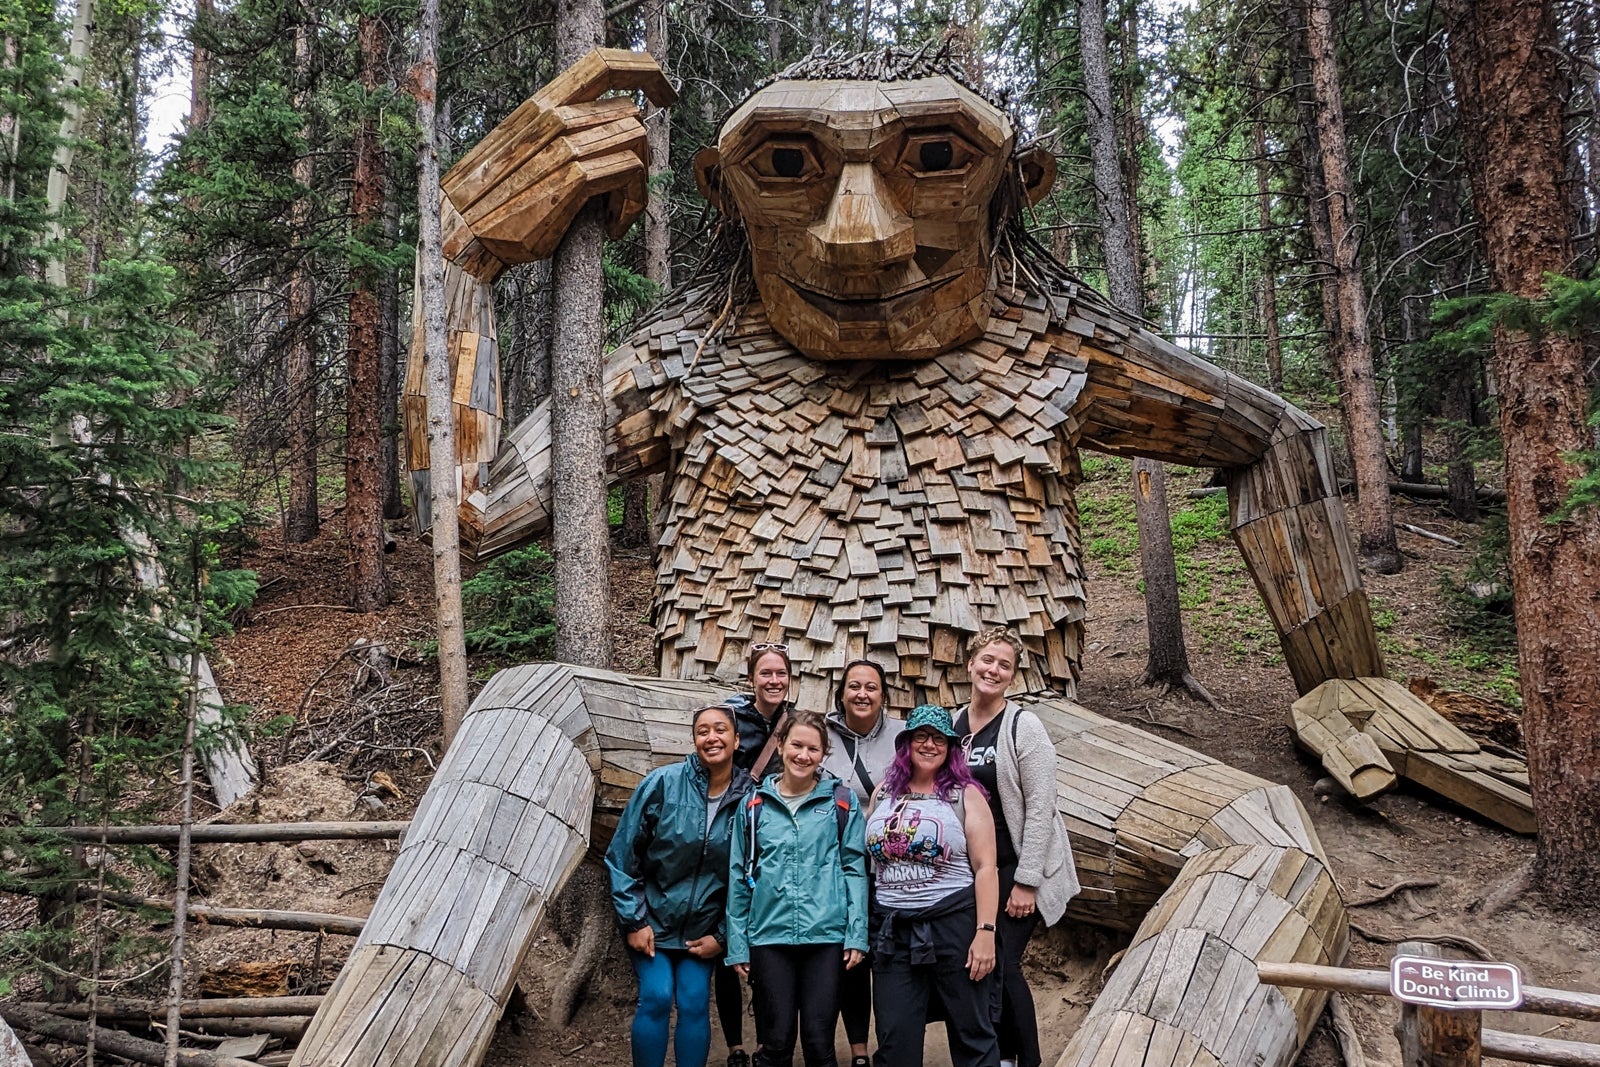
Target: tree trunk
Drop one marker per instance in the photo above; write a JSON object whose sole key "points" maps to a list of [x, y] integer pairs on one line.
{"points": [[1269, 277], [430, 298], [577, 416], [389, 361], [637, 531], [1510, 95], [1168, 662], [300, 523], [363, 477], [1352, 342]]}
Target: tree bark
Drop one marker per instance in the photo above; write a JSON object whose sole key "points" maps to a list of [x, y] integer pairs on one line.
{"points": [[300, 523], [389, 361], [637, 530], [1352, 347], [577, 417], [363, 510], [1269, 278], [443, 490], [1510, 96], [1168, 661]]}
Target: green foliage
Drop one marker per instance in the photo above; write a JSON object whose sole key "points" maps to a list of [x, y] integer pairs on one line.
{"points": [[509, 605], [96, 501]]}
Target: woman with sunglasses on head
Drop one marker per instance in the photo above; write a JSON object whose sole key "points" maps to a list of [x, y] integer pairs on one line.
{"points": [[1010, 755], [797, 896], [931, 839], [862, 747], [757, 712], [668, 865]]}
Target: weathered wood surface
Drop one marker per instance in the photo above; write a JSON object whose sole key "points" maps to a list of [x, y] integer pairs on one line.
{"points": [[1380, 721], [1435, 1037], [1215, 869], [882, 506], [545, 753]]}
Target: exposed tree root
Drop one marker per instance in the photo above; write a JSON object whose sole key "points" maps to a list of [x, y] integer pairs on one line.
{"points": [[586, 904], [1344, 1030]]}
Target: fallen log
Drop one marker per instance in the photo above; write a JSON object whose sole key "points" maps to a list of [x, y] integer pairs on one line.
{"points": [[257, 918], [217, 832], [115, 1042], [221, 1007]]}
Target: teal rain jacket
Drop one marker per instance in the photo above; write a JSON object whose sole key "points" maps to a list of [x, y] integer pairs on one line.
{"points": [[667, 871], [809, 885]]}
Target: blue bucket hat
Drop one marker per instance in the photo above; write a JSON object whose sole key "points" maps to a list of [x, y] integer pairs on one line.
{"points": [[933, 717]]}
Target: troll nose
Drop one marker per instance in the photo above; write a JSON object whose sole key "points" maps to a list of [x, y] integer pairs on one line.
{"points": [[863, 229]]}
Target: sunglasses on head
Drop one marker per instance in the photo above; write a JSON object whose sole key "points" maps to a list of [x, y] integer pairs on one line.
{"points": [[765, 647]]}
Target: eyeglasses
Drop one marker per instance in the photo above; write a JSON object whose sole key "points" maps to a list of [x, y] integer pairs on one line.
{"points": [[764, 647]]}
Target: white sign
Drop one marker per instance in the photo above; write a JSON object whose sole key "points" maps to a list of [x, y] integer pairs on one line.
{"points": [[1455, 983]]}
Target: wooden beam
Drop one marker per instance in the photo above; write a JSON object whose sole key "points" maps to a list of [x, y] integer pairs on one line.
{"points": [[220, 1007], [1540, 1000], [1523, 1048], [113, 1041], [213, 833], [1437, 1037], [257, 918]]}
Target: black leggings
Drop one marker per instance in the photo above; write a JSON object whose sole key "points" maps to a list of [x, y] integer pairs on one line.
{"points": [[855, 1001], [730, 1004], [789, 981], [1018, 1026]]}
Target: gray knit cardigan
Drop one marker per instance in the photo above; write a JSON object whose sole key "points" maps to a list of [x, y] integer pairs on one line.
{"points": [[1025, 768]]}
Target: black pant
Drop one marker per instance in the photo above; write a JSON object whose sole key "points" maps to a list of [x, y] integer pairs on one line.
{"points": [[789, 981], [1018, 1026], [855, 1001], [730, 1004], [902, 992]]}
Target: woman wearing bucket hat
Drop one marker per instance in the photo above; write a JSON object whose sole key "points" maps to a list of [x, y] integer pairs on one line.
{"points": [[1010, 755], [862, 748], [931, 838]]}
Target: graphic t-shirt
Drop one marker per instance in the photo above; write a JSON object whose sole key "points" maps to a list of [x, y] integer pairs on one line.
{"points": [[919, 848], [983, 748]]}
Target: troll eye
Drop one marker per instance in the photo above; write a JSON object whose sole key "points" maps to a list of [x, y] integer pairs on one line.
{"points": [[789, 159], [936, 153]]}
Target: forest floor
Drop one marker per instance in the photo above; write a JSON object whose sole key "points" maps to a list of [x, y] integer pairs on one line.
{"points": [[288, 661]]}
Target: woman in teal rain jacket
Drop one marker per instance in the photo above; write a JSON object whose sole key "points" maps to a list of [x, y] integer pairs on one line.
{"points": [[668, 863], [797, 896]]}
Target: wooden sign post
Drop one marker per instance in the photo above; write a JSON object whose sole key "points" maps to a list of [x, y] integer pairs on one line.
{"points": [[1441, 1017]]}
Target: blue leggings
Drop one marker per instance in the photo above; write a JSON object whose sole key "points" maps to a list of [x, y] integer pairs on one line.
{"points": [[672, 976]]}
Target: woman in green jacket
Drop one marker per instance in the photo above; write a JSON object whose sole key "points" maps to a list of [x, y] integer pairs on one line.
{"points": [[797, 896], [668, 863]]}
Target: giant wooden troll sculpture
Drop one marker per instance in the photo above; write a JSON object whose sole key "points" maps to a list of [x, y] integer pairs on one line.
{"points": [[868, 410]]}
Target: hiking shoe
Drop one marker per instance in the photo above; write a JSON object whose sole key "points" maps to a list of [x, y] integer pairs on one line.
{"points": [[860, 1061], [738, 1058]]}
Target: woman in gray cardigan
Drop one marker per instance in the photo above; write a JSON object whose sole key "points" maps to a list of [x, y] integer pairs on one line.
{"points": [[1011, 756]]}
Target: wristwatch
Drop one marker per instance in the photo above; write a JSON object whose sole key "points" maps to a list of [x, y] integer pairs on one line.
{"points": [[986, 926]]}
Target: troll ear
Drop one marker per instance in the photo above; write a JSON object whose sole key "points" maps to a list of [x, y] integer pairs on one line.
{"points": [[1038, 169], [708, 176]]}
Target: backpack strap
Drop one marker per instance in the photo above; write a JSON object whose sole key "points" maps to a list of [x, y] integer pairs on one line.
{"points": [[841, 809]]}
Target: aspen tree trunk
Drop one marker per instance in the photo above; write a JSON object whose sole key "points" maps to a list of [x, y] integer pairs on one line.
{"points": [[300, 523], [1269, 268], [577, 415], [1353, 340], [55, 270], [446, 530], [1510, 95], [1168, 662], [363, 477]]}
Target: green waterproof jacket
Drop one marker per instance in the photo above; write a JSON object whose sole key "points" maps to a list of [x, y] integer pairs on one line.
{"points": [[808, 884], [668, 870]]}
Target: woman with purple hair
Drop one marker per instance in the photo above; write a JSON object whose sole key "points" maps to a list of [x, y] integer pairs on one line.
{"points": [[931, 836]]}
